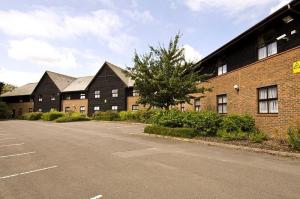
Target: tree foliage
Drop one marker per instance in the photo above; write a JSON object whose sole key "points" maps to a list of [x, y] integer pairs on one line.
{"points": [[163, 77], [6, 88]]}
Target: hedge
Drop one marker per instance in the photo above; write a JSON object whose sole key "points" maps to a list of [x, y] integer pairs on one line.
{"points": [[176, 132], [52, 115], [107, 116], [5, 112], [294, 137], [32, 116], [72, 117]]}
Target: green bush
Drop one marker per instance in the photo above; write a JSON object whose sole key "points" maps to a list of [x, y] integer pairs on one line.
{"points": [[149, 116], [176, 132], [257, 137], [207, 123], [107, 116], [72, 117], [128, 115], [235, 123], [52, 115], [294, 137], [229, 136], [32, 116], [172, 118], [5, 112]]}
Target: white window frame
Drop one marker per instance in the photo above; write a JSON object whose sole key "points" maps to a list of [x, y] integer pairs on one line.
{"points": [[135, 93], [222, 69], [266, 50], [82, 109], [96, 108], [40, 110], [135, 109], [40, 98], [197, 105], [222, 101], [267, 100], [114, 108], [97, 94], [115, 92], [52, 97], [82, 95]]}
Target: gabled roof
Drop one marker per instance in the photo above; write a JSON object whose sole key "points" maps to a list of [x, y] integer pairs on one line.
{"points": [[79, 84], [27, 89], [60, 80]]}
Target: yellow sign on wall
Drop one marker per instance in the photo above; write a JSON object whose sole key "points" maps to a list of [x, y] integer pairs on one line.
{"points": [[296, 67]]}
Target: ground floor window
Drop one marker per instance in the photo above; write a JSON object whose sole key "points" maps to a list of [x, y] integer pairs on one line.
{"points": [[182, 106], [30, 110], [40, 110], [96, 108], [135, 107], [268, 100], [114, 108], [82, 109], [67, 109], [222, 104], [197, 104]]}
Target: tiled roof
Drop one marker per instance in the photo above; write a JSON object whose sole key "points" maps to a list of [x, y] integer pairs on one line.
{"points": [[27, 89], [79, 84], [60, 80], [121, 73]]}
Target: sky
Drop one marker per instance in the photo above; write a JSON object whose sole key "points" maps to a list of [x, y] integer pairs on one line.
{"points": [[75, 37]]}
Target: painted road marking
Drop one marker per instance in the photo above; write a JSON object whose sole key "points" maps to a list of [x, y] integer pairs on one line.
{"points": [[97, 197], [18, 154], [8, 145], [27, 172], [7, 139]]}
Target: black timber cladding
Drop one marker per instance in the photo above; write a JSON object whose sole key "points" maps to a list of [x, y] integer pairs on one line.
{"points": [[105, 81], [243, 50]]}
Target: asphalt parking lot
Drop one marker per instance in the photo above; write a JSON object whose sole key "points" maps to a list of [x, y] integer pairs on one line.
{"points": [[85, 160]]}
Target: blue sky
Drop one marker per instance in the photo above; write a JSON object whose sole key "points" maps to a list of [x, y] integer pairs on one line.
{"points": [[75, 37]]}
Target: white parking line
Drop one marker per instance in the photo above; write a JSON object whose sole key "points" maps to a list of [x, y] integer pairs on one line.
{"points": [[18, 154], [8, 145], [27, 172], [7, 139], [97, 197]]}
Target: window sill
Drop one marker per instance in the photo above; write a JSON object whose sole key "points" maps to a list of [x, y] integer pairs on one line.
{"points": [[267, 114]]}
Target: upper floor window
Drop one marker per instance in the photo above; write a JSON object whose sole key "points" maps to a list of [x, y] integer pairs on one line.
{"points": [[114, 93], [82, 96], [52, 97], [135, 93], [68, 97], [222, 69], [40, 98], [268, 100], [197, 104], [97, 94], [20, 100], [114, 108], [222, 103], [267, 50]]}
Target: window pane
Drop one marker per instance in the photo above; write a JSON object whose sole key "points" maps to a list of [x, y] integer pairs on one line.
{"points": [[272, 92], [263, 93], [225, 108], [220, 70], [220, 108], [225, 68], [225, 99], [272, 48], [262, 52], [273, 106], [220, 100], [263, 107]]}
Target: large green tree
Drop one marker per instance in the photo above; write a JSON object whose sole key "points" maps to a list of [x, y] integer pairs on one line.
{"points": [[7, 88], [163, 77]]}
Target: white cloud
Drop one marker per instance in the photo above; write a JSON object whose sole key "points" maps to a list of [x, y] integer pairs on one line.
{"points": [[105, 25], [41, 53], [18, 78], [229, 6], [191, 54], [144, 16], [279, 5]]}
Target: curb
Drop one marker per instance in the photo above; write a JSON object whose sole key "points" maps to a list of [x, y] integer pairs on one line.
{"points": [[230, 146]]}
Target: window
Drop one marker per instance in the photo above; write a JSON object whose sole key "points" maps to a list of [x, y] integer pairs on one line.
{"points": [[40, 110], [268, 100], [135, 93], [68, 97], [267, 50], [97, 94], [67, 109], [82, 109], [222, 69], [40, 98], [222, 104], [114, 108], [96, 108], [114, 92], [182, 106], [82, 96], [52, 97], [197, 104], [20, 100], [30, 110], [135, 107]]}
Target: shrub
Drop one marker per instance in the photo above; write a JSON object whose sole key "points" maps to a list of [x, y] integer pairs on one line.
{"points": [[176, 132], [172, 118], [5, 112], [235, 123], [32, 116], [52, 115], [207, 123], [107, 116], [228, 136], [257, 137], [294, 137], [72, 117], [128, 115], [149, 116]]}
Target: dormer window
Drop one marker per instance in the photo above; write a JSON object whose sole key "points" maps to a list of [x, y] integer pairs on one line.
{"points": [[267, 50], [222, 69]]}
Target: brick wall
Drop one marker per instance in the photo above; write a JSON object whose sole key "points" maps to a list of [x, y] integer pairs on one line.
{"points": [[75, 105], [275, 70], [22, 107]]}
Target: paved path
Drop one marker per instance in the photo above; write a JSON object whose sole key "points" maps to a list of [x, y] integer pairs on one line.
{"points": [[107, 160]]}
